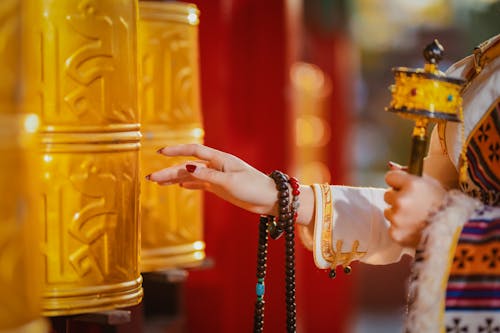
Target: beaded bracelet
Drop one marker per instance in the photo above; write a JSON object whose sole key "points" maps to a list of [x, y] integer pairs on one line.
{"points": [[284, 223]]}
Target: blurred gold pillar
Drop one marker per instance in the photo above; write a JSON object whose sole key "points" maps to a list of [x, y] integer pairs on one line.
{"points": [[171, 217], [20, 258], [81, 79], [311, 90]]}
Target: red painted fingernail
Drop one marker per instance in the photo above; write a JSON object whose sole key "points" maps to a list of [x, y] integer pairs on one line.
{"points": [[190, 168], [394, 166], [148, 177], [160, 150]]}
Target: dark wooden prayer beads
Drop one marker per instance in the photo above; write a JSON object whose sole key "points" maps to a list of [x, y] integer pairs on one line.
{"points": [[261, 274], [276, 227]]}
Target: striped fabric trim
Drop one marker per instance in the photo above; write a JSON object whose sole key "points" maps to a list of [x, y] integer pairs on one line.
{"points": [[426, 299], [456, 281], [473, 290], [472, 322], [474, 281], [475, 293], [471, 306], [480, 231], [485, 301]]}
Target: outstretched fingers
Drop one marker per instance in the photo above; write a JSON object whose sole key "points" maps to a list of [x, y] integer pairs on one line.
{"points": [[171, 175], [205, 174], [213, 156], [195, 185], [215, 159], [190, 172]]}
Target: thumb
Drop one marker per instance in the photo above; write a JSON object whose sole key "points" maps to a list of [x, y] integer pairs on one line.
{"points": [[396, 178]]}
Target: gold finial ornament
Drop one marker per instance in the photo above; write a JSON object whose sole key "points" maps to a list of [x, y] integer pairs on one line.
{"points": [[425, 95], [81, 80], [171, 217]]}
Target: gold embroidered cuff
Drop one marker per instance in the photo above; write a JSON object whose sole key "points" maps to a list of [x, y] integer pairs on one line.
{"points": [[326, 256]]}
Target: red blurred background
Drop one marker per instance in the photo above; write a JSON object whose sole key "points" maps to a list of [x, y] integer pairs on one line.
{"points": [[246, 49]]}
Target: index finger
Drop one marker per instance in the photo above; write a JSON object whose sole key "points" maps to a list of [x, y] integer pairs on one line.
{"points": [[397, 178], [194, 149], [190, 149]]}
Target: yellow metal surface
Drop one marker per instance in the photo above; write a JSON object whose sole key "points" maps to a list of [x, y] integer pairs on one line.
{"points": [[425, 95], [415, 91], [20, 258], [310, 97], [81, 79], [10, 52], [39, 325], [171, 217]]}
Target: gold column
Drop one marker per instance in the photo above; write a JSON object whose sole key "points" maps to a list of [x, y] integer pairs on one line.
{"points": [[20, 283], [311, 90], [171, 217], [81, 79], [20, 259]]}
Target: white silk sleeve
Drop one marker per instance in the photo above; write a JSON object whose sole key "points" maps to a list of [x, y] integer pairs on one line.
{"points": [[349, 225]]}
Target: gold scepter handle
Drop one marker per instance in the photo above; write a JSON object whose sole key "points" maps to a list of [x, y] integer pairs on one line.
{"points": [[418, 150]]}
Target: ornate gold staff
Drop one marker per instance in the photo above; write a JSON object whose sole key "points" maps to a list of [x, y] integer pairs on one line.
{"points": [[425, 95]]}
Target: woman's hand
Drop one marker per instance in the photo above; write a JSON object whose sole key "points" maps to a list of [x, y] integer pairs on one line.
{"points": [[222, 174], [411, 199]]}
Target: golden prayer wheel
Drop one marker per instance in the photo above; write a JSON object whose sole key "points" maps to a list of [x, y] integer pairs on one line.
{"points": [[20, 259], [425, 95], [171, 217], [81, 79]]}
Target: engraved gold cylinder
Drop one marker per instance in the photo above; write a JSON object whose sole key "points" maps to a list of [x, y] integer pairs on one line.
{"points": [[20, 256], [81, 79], [171, 217]]}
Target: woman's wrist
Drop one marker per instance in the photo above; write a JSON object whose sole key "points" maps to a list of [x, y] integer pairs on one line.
{"points": [[272, 197], [306, 209], [305, 213]]}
